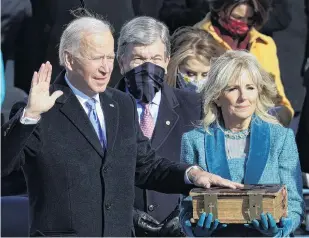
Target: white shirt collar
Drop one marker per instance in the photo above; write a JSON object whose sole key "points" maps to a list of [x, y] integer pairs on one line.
{"points": [[83, 98], [157, 98]]}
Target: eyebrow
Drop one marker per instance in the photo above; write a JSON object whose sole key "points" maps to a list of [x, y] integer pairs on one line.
{"points": [[143, 57], [237, 85], [157, 55], [137, 55]]}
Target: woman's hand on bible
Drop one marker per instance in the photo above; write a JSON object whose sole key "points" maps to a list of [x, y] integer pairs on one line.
{"points": [[268, 227], [204, 227]]}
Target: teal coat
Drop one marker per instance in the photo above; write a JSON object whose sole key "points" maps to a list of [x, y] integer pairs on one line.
{"points": [[272, 159]]}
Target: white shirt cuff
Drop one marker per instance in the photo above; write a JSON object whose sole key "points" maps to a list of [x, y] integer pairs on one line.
{"points": [[27, 120]]}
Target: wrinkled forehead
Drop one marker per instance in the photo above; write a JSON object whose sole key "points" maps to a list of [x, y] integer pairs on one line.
{"points": [[147, 51], [96, 43]]}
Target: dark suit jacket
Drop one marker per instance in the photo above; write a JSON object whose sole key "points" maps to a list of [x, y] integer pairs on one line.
{"points": [[178, 13], [74, 187], [179, 110]]}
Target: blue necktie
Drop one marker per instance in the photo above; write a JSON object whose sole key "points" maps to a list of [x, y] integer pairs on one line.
{"points": [[93, 116]]}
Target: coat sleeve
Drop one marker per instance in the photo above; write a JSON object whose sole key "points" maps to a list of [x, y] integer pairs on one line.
{"points": [[187, 156], [290, 175], [187, 151], [154, 172], [17, 141]]}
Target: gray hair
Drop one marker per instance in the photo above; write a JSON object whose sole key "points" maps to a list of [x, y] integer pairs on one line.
{"points": [[73, 34], [228, 67], [145, 31]]}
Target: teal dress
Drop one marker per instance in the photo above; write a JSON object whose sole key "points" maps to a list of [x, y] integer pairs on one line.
{"points": [[272, 159]]}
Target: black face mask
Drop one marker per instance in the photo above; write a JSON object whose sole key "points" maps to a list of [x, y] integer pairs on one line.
{"points": [[145, 81]]}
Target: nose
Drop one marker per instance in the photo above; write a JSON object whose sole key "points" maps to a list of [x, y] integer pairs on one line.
{"points": [[105, 66], [199, 77], [243, 95]]}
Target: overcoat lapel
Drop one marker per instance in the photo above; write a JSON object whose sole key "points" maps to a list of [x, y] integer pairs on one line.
{"points": [[258, 151], [216, 159], [72, 109], [111, 116], [167, 118]]}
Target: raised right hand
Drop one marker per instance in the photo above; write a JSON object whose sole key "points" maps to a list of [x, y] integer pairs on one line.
{"points": [[40, 100]]}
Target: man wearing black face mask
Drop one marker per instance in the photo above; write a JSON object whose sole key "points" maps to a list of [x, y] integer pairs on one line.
{"points": [[165, 113]]}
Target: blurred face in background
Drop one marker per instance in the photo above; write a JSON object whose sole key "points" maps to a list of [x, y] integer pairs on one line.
{"points": [[194, 71], [237, 19]]}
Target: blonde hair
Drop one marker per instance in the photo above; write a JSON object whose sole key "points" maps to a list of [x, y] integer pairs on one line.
{"points": [[228, 67], [190, 43]]}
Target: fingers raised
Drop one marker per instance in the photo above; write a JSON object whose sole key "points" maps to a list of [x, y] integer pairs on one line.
{"points": [[35, 79], [41, 72], [49, 72]]}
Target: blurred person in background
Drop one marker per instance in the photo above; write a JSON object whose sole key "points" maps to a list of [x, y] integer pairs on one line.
{"points": [[16, 40], [302, 136], [234, 25], [192, 50], [50, 17], [280, 17], [178, 13], [164, 114]]}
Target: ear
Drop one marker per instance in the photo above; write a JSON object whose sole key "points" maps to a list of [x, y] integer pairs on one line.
{"points": [[68, 61]]}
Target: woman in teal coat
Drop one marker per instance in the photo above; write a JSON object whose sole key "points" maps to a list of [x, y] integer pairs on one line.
{"points": [[240, 141]]}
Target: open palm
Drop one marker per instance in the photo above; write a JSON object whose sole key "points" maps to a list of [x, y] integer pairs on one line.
{"points": [[40, 100]]}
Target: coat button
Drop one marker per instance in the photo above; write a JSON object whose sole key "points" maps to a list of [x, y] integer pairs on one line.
{"points": [[151, 208], [108, 206], [105, 169]]}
